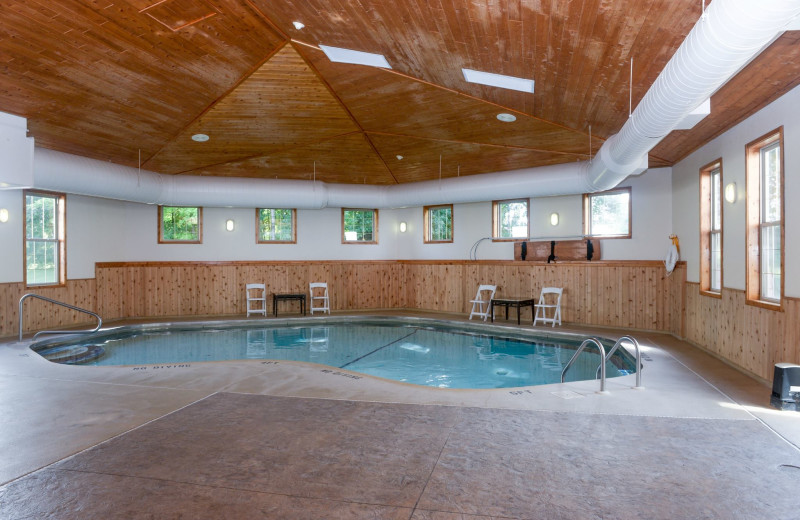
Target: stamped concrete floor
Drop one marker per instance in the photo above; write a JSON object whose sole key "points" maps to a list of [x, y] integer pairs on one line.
{"points": [[254, 440]]}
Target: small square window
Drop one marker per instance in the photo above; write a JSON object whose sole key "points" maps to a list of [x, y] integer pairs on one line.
{"points": [[607, 214], [359, 226], [438, 223], [510, 219], [276, 226], [180, 225]]}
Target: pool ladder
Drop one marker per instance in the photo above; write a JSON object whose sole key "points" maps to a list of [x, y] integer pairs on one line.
{"points": [[601, 370], [68, 306]]}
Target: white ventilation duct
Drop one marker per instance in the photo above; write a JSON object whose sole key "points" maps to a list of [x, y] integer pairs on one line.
{"points": [[730, 34]]}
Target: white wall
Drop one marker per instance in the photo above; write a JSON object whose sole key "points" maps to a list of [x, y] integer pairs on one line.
{"points": [[11, 237], [730, 146], [102, 230]]}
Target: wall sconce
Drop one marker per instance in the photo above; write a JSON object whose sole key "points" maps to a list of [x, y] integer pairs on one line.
{"points": [[553, 219], [229, 224], [3, 215], [403, 227], [730, 192]]}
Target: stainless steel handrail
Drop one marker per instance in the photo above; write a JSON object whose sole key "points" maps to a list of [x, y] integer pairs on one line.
{"points": [[602, 365], [32, 295], [638, 358]]}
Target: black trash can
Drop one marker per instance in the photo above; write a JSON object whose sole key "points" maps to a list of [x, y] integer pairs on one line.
{"points": [[786, 387]]}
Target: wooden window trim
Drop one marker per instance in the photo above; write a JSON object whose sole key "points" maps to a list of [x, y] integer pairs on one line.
{"points": [[496, 223], [294, 229], [753, 220], [62, 240], [199, 227], [426, 224], [374, 226], [586, 221], [705, 228]]}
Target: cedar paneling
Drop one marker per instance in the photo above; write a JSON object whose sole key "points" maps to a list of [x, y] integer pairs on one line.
{"points": [[750, 337], [41, 315]]}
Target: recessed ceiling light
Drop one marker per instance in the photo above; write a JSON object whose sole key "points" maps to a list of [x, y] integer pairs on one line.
{"points": [[339, 55], [399, 157], [506, 118], [298, 25], [200, 138], [498, 80]]}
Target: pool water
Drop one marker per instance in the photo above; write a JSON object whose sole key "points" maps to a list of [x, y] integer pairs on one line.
{"points": [[412, 354]]}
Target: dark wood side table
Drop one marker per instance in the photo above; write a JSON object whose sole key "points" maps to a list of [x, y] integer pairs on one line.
{"points": [[513, 302], [301, 297]]}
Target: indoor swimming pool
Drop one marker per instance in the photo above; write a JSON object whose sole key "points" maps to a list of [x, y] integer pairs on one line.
{"points": [[435, 353]]}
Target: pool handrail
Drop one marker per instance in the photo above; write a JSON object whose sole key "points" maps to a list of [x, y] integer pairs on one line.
{"points": [[33, 295], [638, 358], [599, 345]]}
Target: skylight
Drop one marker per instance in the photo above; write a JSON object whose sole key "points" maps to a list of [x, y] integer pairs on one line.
{"points": [[498, 80], [340, 55]]}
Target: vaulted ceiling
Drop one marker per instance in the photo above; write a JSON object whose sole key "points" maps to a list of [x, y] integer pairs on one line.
{"points": [[130, 81]]}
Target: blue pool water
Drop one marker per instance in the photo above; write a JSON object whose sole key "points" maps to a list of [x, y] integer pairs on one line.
{"points": [[413, 354]]}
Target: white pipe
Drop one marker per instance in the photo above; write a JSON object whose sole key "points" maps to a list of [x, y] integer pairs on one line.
{"points": [[731, 33]]}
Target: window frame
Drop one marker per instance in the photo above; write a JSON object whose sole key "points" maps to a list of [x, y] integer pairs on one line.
{"points": [[426, 215], [374, 226], [753, 211], [496, 220], [587, 220], [259, 240], [60, 240], [707, 230], [162, 240]]}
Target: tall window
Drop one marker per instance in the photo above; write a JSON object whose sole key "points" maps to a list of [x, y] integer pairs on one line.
{"points": [[276, 226], [45, 238], [510, 219], [180, 225], [765, 219], [438, 223], [607, 214], [359, 226], [711, 228]]}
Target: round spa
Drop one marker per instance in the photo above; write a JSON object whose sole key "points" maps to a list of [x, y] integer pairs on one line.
{"points": [[419, 351]]}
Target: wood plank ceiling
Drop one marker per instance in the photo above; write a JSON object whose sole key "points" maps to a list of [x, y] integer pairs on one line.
{"points": [[109, 79]]}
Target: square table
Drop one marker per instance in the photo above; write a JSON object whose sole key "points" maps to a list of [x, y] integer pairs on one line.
{"points": [[301, 297], [513, 302]]}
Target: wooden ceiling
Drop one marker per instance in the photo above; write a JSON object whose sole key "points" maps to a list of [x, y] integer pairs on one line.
{"points": [[109, 79]]}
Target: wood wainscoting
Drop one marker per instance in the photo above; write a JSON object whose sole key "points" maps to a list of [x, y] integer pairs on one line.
{"points": [[751, 338], [630, 294], [41, 315]]}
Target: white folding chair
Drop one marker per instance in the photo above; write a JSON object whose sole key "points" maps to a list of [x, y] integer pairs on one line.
{"points": [[320, 296], [257, 294], [482, 304], [543, 306]]}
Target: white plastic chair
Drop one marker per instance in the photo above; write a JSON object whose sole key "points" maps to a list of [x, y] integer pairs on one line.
{"points": [[256, 292], [542, 306], [482, 304], [322, 297]]}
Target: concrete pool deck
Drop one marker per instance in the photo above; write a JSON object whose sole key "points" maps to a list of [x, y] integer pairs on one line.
{"points": [[249, 439]]}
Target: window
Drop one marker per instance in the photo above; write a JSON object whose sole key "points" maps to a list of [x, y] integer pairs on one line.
{"points": [[359, 226], [711, 228], [764, 174], [607, 214], [438, 223], [45, 238], [180, 225], [276, 226], [510, 219]]}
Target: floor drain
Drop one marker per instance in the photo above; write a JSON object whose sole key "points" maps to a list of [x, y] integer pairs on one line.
{"points": [[788, 467]]}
